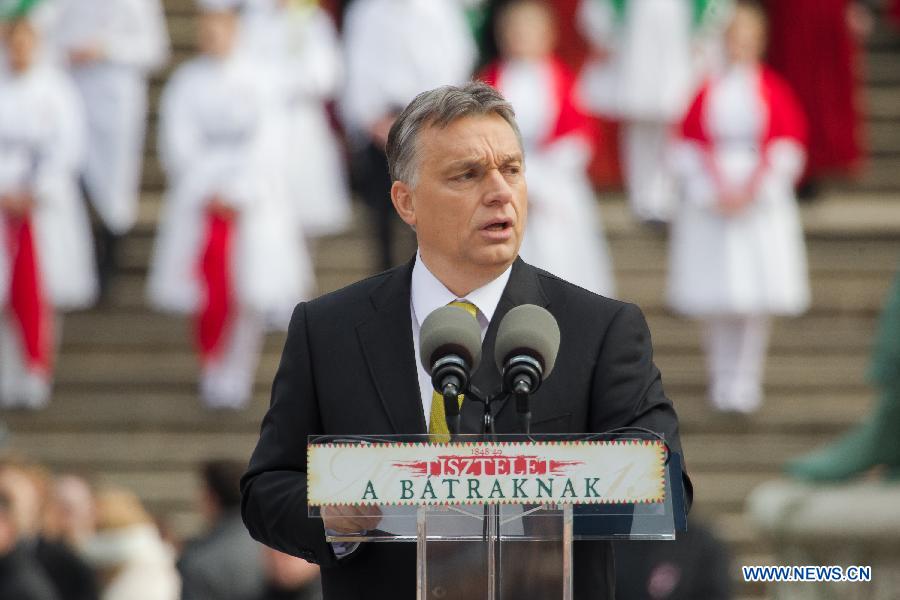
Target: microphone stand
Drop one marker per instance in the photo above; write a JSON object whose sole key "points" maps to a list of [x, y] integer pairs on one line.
{"points": [[523, 375], [522, 393], [491, 530], [451, 410]]}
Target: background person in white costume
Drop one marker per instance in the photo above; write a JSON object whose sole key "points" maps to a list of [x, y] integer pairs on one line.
{"points": [[642, 75], [737, 252], [228, 250], [295, 42], [563, 234], [394, 50], [110, 47], [46, 253]]}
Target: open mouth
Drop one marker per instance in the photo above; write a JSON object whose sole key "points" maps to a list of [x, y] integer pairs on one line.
{"points": [[498, 226]]}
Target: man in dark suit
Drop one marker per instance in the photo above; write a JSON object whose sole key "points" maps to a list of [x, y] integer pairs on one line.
{"points": [[349, 364]]}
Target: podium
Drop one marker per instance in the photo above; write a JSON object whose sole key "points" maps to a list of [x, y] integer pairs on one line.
{"points": [[496, 516]]}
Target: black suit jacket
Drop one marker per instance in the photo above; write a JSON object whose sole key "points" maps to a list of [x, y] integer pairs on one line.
{"points": [[348, 368]]}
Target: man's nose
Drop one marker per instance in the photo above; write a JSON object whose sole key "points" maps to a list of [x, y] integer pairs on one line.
{"points": [[497, 189]]}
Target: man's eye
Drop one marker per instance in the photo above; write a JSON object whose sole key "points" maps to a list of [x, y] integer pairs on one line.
{"points": [[466, 176], [513, 169]]}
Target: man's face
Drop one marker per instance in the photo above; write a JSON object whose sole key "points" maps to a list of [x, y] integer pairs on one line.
{"points": [[469, 201]]}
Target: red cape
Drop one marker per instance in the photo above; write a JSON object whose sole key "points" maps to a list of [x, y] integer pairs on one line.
{"points": [[785, 115], [27, 300], [570, 118], [785, 119]]}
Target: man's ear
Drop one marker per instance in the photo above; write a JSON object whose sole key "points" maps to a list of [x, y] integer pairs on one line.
{"points": [[401, 197]]}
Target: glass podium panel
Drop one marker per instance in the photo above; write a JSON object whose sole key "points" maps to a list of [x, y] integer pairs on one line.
{"points": [[504, 510]]}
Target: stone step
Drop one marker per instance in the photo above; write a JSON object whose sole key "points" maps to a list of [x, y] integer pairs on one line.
{"points": [[134, 331], [759, 452], [111, 451], [841, 214], [884, 34], [882, 102], [879, 172], [634, 252], [133, 371], [724, 492], [784, 372], [135, 411], [850, 292], [130, 371], [179, 7], [179, 410], [882, 67], [818, 412], [884, 137]]}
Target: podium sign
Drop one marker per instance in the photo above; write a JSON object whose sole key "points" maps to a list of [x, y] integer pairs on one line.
{"points": [[486, 473]]}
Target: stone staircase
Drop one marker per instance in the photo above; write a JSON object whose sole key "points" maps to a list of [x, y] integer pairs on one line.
{"points": [[126, 408]]}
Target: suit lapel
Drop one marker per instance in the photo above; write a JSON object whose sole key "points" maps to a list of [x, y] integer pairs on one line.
{"points": [[523, 287], [386, 340]]}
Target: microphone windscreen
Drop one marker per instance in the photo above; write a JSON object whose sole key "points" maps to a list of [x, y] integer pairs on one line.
{"points": [[450, 330], [528, 329]]}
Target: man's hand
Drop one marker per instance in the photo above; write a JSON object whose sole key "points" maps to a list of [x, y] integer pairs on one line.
{"points": [[85, 55], [219, 207], [732, 202], [350, 519], [17, 205]]}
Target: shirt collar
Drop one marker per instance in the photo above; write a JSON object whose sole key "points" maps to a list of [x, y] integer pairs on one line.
{"points": [[429, 294]]}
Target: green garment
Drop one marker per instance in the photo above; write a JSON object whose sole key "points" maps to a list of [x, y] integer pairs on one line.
{"points": [[700, 7], [885, 368], [16, 9], [875, 441], [477, 18]]}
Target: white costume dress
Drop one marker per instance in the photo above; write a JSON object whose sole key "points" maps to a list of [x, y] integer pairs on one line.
{"points": [[645, 81], [564, 234], [133, 39], [396, 49], [41, 149], [733, 271], [299, 50], [218, 139]]}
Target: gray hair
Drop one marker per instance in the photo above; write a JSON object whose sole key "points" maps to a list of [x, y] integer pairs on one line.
{"points": [[439, 108]]}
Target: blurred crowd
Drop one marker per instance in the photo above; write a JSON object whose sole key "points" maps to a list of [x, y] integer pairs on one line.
{"points": [[63, 539], [282, 114]]}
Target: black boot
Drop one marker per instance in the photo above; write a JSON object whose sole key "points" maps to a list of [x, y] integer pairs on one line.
{"points": [[107, 246]]}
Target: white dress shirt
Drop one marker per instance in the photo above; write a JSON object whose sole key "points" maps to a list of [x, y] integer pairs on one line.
{"points": [[429, 294]]}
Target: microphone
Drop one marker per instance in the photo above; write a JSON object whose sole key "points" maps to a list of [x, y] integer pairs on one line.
{"points": [[525, 353], [450, 350]]}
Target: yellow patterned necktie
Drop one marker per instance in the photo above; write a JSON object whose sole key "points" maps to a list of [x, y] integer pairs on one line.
{"points": [[438, 421]]}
